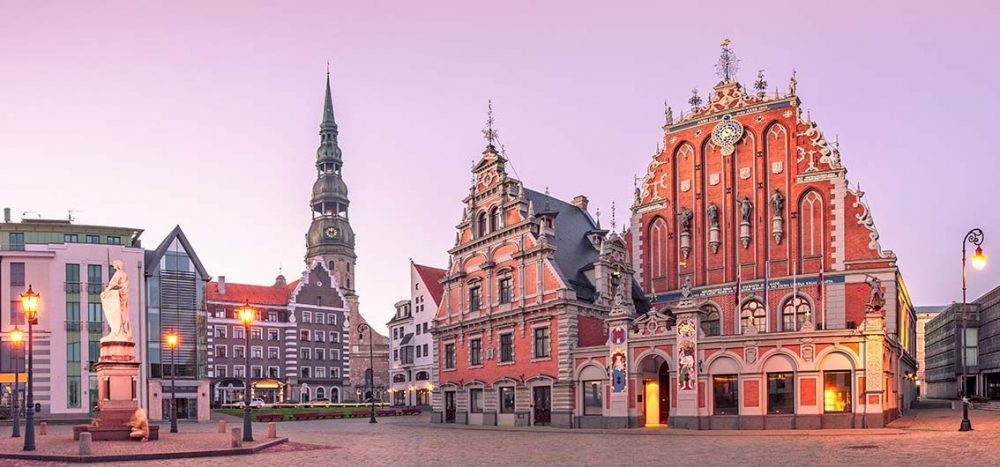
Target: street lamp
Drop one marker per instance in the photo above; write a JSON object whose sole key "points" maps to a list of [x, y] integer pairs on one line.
{"points": [[975, 237], [246, 314], [16, 337], [29, 304], [370, 376], [171, 339]]}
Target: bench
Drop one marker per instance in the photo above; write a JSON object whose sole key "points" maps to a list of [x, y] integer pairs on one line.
{"points": [[385, 413], [361, 413], [270, 418]]}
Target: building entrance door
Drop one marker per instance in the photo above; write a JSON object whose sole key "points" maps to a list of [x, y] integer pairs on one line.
{"points": [[543, 405], [993, 386], [656, 391], [449, 407]]}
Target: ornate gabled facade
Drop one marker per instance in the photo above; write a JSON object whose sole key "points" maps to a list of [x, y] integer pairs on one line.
{"points": [[529, 278], [773, 302]]}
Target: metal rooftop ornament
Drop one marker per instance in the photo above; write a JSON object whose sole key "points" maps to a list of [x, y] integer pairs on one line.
{"points": [[489, 132], [695, 100], [761, 84], [728, 63]]}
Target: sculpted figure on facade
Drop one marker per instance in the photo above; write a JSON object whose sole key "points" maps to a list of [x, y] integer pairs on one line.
{"points": [[114, 300], [876, 297], [746, 209]]}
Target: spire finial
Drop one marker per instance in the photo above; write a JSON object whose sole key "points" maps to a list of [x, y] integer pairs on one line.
{"points": [[329, 123], [614, 224], [728, 64], [598, 215], [546, 190], [695, 100], [489, 132]]}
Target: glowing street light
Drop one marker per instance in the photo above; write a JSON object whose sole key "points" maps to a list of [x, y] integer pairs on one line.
{"points": [[975, 237], [29, 304], [16, 337], [246, 313], [171, 339]]}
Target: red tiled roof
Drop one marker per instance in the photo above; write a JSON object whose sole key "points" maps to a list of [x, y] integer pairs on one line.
{"points": [[432, 280], [255, 294]]}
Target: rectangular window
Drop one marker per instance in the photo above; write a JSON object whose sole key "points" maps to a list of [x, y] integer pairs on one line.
{"points": [[334, 354], [256, 352], [272, 334], [220, 371], [93, 239], [72, 279], [725, 395], [425, 351], [304, 335], [220, 351], [971, 346], [837, 391], [334, 336], [16, 274], [306, 371], [239, 332], [475, 352], [238, 371], [306, 353], [95, 283], [331, 318], [506, 347], [256, 334], [321, 372], [449, 356], [780, 393], [256, 372], [425, 327], [307, 316], [73, 391], [320, 354], [73, 312], [593, 397], [272, 316], [418, 351], [418, 330], [220, 332], [507, 399], [114, 240], [506, 290], [542, 343], [475, 298], [220, 312], [238, 351], [395, 354], [272, 353], [16, 241], [273, 372], [335, 372], [320, 318], [319, 336], [71, 238], [476, 400]]}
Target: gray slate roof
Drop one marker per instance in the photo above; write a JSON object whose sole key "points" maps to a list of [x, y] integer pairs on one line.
{"points": [[152, 257]]}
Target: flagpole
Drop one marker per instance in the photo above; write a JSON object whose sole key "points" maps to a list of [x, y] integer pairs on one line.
{"points": [[822, 291]]}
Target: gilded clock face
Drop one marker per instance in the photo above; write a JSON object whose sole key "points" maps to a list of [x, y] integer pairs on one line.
{"points": [[726, 134], [331, 232]]}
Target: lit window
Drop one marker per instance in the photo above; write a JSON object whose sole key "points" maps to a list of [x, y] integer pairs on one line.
{"points": [[837, 391], [794, 313]]}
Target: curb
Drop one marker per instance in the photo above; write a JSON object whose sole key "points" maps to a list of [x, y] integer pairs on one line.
{"points": [[145, 456], [679, 432]]}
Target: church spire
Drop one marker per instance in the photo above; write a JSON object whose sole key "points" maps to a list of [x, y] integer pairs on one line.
{"points": [[329, 123]]}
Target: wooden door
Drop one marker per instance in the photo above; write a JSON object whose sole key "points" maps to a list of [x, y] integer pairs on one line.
{"points": [[543, 405]]}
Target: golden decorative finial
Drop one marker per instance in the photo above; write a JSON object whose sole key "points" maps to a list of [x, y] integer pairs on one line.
{"points": [[725, 42]]}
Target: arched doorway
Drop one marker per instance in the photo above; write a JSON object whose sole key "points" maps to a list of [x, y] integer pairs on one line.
{"points": [[655, 374]]}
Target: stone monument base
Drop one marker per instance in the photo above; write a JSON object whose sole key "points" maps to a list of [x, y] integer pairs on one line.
{"points": [[117, 389]]}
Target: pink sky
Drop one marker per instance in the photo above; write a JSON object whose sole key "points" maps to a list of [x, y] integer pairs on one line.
{"points": [[205, 114]]}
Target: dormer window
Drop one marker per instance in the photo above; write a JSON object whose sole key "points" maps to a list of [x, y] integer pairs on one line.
{"points": [[548, 222]]}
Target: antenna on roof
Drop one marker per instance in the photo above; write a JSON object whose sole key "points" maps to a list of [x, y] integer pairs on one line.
{"points": [[69, 214]]}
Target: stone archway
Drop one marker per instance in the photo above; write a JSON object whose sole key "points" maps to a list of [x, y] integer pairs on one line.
{"points": [[654, 373]]}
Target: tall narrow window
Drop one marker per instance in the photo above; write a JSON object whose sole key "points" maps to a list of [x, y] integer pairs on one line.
{"points": [[507, 399], [710, 324], [811, 226], [753, 315], [481, 227], [506, 289], [506, 347], [593, 397], [475, 352], [449, 356], [495, 221], [475, 298], [542, 343], [725, 395], [658, 248], [476, 400]]}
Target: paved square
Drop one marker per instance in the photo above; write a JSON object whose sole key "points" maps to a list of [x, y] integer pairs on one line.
{"points": [[924, 437]]}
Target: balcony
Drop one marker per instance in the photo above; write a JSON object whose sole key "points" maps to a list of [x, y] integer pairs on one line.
{"points": [[73, 326], [95, 288], [95, 326], [72, 287]]}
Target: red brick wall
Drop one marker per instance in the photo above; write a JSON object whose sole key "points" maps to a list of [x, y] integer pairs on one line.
{"points": [[591, 332]]}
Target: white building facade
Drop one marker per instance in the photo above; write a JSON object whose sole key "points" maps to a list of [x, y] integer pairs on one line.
{"points": [[410, 341]]}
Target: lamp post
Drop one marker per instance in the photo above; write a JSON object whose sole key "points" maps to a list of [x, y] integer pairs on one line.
{"points": [[16, 337], [246, 314], [975, 237], [171, 339], [29, 304], [370, 376]]}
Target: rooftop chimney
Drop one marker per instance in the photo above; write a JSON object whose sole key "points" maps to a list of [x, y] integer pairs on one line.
{"points": [[221, 284], [6, 214], [580, 201]]}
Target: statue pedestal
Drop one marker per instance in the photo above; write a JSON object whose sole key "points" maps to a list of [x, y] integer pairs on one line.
{"points": [[118, 394]]}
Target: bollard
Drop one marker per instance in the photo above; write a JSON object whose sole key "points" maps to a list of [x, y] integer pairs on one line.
{"points": [[272, 430], [237, 441], [43, 428], [222, 426], [85, 444]]}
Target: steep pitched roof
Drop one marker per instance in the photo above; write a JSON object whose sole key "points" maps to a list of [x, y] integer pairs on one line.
{"points": [[255, 294], [153, 257], [574, 252], [432, 280]]}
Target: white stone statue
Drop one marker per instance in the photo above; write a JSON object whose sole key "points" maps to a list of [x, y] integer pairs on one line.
{"points": [[114, 300]]}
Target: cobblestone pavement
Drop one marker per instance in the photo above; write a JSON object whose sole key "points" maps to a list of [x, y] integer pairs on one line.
{"points": [[924, 437]]}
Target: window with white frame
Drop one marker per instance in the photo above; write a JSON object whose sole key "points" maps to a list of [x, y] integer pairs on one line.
{"points": [[239, 332], [238, 371], [307, 316], [320, 354], [220, 312], [256, 352], [256, 372], [320, 318], [273, 372], [334, 354], [220, 351], [334, 336], [334, 372], [321, 372], [272, 353], [256, 334], [319, 335], [238, 351], [220, 331], [305, 353], [220, 371], [331, 318], [272, 334]]}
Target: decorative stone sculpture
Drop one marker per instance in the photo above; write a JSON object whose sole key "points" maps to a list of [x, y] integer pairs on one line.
{"points": [[876, 297], [746, 211], [713, 227], [139, 425], [778, 221], [114, 300], [685, 217]]}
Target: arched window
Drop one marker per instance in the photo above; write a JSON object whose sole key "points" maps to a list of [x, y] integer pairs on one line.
{"points": [[334, 395], [422, 376], [398, 378], [753, 315], [495, 221], [305, 394], [481, 224], [711, 321], [320, 393], [794, 313], [811, 226], [658, 248]]}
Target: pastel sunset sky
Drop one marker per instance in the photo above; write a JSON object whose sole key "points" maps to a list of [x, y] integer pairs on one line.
{"points": [[205, 114]]}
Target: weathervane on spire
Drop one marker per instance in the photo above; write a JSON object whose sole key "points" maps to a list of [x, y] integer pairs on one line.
{"points": [[489, 132], [695, 100], [761, 84], [614, 224], [728, 63]]}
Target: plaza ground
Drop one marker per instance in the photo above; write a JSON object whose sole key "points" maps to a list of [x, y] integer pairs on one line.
{"points": [[924, 437]]}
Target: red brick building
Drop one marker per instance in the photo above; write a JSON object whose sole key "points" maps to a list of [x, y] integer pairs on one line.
{"points": [[746, 192], [527, 273]]}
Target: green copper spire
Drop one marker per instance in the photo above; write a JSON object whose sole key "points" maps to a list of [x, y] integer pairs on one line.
{"points": [[329, 124]]}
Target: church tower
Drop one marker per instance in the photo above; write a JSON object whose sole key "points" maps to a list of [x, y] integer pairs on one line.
{"points": [[330, 237]]}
